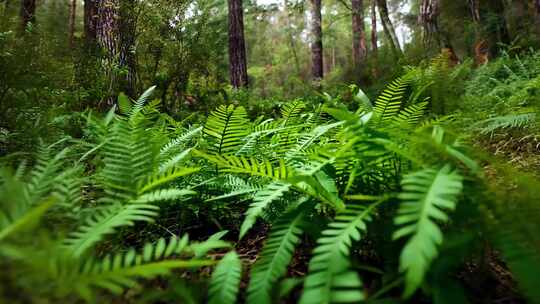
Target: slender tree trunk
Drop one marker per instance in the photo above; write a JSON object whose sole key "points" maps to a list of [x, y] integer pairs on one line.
{"points": [[316, 42], [388, 27], [108, 40], [90, 22], [537, 15], [374, 38], [28, 13], [72, 16], [237, 45], [127, 56], [358, 33]]}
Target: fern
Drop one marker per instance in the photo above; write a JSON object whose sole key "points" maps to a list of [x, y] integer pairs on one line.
{"points": [[513, 121], [226, 280], [251, 166], [411, 115], [275, 256], [119, 271], [105, 222], [330, 277], [261, 200], [390, 100], [426, 195], [228, 127]]}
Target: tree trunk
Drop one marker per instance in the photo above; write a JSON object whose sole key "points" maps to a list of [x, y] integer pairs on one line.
{"points": [[388, 27], [127, 56], [374, 38], [237, 45], [316, 42], [28, 13], [428, 19], [72, 16], [90, 22], [374, 45], [358, 33], [108, 40], [537, 15]]}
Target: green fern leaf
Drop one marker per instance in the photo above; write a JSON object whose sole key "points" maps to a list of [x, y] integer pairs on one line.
{"points": [[330, 278], [389, 102], [261, 200], [226, 280], [106, 222], [426, 195], [275, 257], [228, 126]]}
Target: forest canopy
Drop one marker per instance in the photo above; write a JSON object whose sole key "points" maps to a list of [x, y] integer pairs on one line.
{"points": [[269, 151]]}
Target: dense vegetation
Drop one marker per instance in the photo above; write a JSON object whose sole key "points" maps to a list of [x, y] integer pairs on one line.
{"points": [[293, 170]]}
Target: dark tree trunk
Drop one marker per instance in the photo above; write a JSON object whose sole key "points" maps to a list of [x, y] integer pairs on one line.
{"points": [[316, 42], [127, 57], [537, 15], [237, 45], [90, 22], [388, 27], [28, 12], [72, 16], [358, 33]]}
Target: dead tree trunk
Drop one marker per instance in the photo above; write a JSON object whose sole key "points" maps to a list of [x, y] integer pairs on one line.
{"points": [[428, 18], [316, 42], [237, 45]]}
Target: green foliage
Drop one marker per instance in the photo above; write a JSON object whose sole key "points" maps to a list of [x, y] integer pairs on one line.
{"points": [[426, 195], [226, 280], [275, 257]]}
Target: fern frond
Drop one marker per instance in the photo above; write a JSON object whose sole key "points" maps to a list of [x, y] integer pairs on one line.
{"points": [[291, 111], [179, 141], [390, 100], [157, 180], [120, 271], [251, 166], [411, 115], [513, 121], [261, 201], [225, 280], [426, 195], [163, 195], [11, 223], [105, 222], [330, 279], [228, 126], [275, 257]]}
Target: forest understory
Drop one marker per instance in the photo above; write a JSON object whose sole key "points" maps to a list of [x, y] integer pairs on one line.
{"points": [[260, 152]]}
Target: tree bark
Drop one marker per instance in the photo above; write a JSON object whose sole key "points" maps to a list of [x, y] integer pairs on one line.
{"points": [[316, 42], [237, 45], [28, 12], [537, 15], [72, 16], [127, 54], [108, 41], [90, 22], [358, 33], [428, 18], [388, 27], [374, 38]]}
